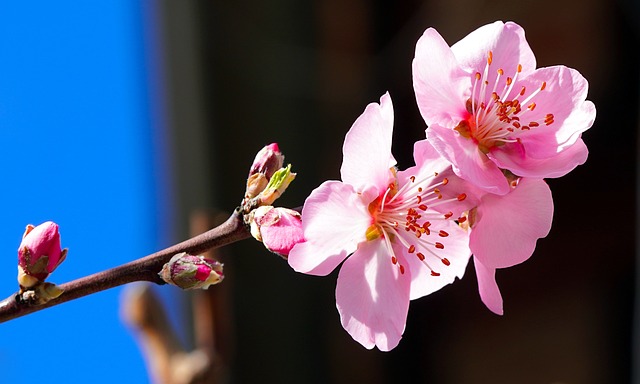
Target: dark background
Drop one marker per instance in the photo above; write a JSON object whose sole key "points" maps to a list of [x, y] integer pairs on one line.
{"points": [[243, 74]]}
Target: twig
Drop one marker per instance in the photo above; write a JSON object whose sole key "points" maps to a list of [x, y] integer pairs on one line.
{"points": [[144, 269]]}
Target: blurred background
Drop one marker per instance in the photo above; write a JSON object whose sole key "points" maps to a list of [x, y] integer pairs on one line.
{"points": [[120, 120]]}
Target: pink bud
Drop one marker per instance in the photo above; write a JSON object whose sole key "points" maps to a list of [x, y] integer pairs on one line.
{"points": [[39, 253], [191, 272], [279, 229], [267, 161]]}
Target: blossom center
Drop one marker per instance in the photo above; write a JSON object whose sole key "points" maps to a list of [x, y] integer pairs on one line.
{"points": [[405, 217], [500, 113]]}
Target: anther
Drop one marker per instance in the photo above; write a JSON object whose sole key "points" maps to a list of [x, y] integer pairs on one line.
{"points": [[443, 233], [445, 261], [445, 181], [420, 256], [448, 215], [543, 86], [401, 269], [434, 273], [462, 196], [413, 179], [500, 71], [439, 245], [490, 58], [412, 248], [519, 68], [394, 260]]}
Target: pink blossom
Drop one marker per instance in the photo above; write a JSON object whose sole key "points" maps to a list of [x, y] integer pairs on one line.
{"points": [[39, 253], [279, 229], [395, 231], [504, 231], [489, 109]]}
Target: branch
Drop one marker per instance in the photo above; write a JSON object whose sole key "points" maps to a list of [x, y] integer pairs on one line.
{"points": [[144, 269]]}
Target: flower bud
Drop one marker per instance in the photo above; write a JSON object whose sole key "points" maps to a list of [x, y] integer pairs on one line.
{"points": [[191, 272], [277, 185], [279, 229], [266, 163], [39, 253]]}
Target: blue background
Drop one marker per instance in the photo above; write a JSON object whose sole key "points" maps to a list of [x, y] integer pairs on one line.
{"points": [[78, 140]]}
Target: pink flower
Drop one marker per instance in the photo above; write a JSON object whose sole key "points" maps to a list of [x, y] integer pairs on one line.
{"points": [[39, 253], [504, 231], [393, 230], [489, 109], [279, 229]]}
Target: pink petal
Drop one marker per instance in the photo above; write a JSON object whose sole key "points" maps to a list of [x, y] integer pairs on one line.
{"points": [[367, 147], [564, 97], [513, 157], [281, 230], [334, 219], [372, 297], [488, 288], [507, 227], [456, 251], [468, 161], [441, 86], [507, 43]]}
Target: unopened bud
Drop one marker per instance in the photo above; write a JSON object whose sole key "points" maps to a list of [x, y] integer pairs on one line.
{"points": [[277, 185], [191, 272], [39, 253], [279, 229], [267, 162]]}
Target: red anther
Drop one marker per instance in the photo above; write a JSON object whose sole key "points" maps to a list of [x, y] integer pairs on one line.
{"points": [[462, 219], [462, 196], [531, 106], [523, 90], [445, 261], [543, 86], [412, 248], [435, 174], [420, 189], [420, 256], [443, 233], [516, 124], [525, 128], [495, 96], [418, 234], [500, 71], [401, 269], [448, 215], [519, 68], [490, 58], [413, 179], [394, 260], [434, 273], [509, 81], [439, 245], [533, 124], [478, 75], [419, 199], [423, 207], [445, 181]]}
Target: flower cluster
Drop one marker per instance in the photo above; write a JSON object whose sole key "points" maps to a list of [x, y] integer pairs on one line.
{"points": [[497, 127]]}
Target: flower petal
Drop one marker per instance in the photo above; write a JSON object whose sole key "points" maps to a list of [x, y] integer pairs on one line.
{"points": [[441, 86], [334, 219], [564, 97], [367, 147], [456, 251], [468, 161], [488, 288], [507, 227], [508, 46], [513, 157], [372, 297]]}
